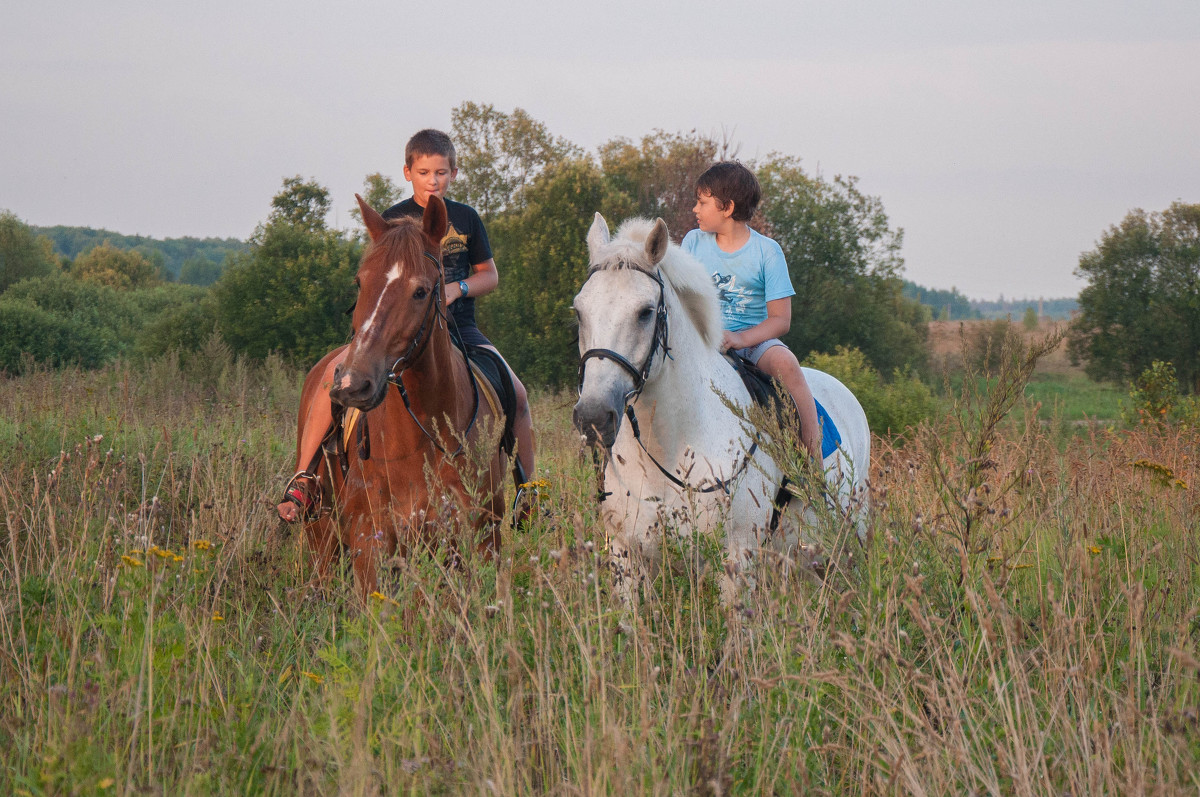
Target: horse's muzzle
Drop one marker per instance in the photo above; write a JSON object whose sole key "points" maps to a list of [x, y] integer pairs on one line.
{"points": [[356, 389], [597, 421]]}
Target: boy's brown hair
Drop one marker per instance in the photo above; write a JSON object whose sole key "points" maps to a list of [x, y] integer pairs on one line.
{"points": [[730, 181], [430, 142]]}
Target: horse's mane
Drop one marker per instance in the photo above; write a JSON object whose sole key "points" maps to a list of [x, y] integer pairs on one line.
{"points": [[689, 279], [403, 242]]}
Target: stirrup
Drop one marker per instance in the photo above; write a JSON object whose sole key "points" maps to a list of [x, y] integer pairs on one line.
{"points": [[306, 496]]}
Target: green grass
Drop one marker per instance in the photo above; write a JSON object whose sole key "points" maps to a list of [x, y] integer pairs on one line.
{"points": [[177, 647], [1074, 397]]}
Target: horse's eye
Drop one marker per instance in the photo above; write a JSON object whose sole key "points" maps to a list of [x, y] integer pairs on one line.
{"points": [[645, 315], [420, 293]]}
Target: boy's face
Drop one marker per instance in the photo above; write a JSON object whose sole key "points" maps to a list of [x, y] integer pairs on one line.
{"points": [[430, 175], [709, 215]]}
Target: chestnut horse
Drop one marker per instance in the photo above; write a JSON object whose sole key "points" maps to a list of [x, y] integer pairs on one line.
{"points": [[423, 458]]}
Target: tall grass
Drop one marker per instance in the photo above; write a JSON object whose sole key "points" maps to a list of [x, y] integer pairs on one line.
{"points": [[158, 632]]}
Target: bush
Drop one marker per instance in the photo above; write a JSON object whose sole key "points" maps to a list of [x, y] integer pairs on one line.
{"points": [[31, 335], [183, 328], [69, 321], [1157, 399], [892, 407], [987, 340]]}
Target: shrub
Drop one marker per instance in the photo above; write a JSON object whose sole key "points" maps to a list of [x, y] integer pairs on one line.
{"points": [[1157, 399], [892, 406], [31, 335]]}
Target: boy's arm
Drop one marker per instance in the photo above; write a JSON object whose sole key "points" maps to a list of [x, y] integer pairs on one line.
{"points": [[483, 280], [779, 321]]}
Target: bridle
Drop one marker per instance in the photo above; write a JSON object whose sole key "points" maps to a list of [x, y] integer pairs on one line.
{"points": [[640, 375], [416, 348], [421, 339], [659, 339]]}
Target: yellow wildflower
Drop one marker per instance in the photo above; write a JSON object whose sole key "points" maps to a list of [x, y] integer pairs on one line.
{"points": [[131, 561]]}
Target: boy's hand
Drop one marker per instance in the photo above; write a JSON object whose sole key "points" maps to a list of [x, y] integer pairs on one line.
{"points": [[731, 340]]}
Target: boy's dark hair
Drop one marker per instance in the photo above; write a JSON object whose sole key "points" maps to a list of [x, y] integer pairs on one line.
{"points": [[730, 181], [430, 142]]}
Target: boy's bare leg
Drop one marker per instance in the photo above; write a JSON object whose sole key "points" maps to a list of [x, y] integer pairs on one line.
{"points": [[316, 424], [779, 362]]}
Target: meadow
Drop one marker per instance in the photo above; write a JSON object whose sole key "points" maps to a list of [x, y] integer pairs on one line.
{"points": [[1022, 620]]}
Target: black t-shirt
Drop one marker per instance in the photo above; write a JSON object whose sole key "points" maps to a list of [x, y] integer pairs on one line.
{"points": [[464, 245]]}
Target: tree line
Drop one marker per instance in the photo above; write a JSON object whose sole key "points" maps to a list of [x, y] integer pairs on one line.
{"points": [[286, 290]]}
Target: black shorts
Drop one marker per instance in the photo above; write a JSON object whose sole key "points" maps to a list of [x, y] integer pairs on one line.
{"points": [[470, 335]]}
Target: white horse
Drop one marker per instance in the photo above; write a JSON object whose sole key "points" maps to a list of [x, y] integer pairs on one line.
{"points": [[649, 332]]}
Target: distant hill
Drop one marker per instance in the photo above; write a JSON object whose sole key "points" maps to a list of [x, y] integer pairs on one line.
{"points": [[953, 306], [171, 253]]}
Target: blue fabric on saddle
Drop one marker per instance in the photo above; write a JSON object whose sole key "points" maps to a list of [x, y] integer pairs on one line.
{"points": [[764, 390]]}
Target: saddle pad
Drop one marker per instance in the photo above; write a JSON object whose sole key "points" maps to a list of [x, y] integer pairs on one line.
{"points": [[490, 370], [763, 389], [831, 438]]}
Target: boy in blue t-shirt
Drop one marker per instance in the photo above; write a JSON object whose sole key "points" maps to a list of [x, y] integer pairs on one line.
{"points": [[752, 281]]}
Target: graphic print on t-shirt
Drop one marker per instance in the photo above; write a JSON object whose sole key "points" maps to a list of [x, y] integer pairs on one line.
{"points": [[734, 299], [454, 242]]}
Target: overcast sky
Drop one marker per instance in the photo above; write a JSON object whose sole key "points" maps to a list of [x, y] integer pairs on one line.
{"points": [[1004, 138]]}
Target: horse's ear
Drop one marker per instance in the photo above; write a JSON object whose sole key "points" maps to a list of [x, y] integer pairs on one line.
{"points": [[375, 224], [598, 235], [434, 222], [656, 242]]}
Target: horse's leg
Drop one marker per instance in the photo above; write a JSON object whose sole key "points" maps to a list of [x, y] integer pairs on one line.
{"points": [[323, 546], [364, 544], [623, 569]]}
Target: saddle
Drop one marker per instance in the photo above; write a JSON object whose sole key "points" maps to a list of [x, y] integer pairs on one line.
{"points": [[764, 392]]}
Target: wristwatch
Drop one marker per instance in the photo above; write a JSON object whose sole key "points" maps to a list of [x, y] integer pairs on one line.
{"points": [[464, 288]]}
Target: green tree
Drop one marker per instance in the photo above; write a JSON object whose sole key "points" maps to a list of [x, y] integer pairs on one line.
{"points": [[199, 270], [541, 252], [380, 192], [302, 203], [289, 292], [499, 154], [117, 268], [659, 174], [23, 253], [845, 264], [1142, 300]]}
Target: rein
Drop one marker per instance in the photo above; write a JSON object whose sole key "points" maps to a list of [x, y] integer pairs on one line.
{"points": [[396, 372], [640, 375]]}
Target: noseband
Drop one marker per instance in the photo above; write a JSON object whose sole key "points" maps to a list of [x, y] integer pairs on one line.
{"points": [[659, 339]]}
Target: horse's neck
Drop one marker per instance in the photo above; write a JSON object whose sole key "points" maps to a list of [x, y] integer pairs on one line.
{"points": [[683, 405], [438, 382]]}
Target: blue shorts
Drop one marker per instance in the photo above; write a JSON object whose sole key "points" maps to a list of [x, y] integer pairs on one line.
{"points": [[755, 353]]}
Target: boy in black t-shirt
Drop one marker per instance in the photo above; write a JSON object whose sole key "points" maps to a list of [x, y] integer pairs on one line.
{"points": [[430, 165]]}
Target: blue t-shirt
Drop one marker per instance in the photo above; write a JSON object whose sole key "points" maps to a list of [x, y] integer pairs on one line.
{"points": [[746, 279]]}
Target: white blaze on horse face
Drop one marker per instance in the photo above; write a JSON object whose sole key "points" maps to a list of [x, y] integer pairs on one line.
{"points": [[368, 328]]}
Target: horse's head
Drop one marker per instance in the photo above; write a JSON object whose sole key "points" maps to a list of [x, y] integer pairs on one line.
{"points": [[399, 303], [622, 325]]}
